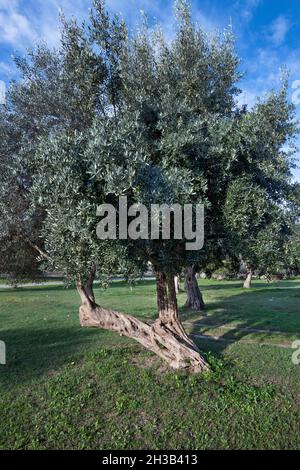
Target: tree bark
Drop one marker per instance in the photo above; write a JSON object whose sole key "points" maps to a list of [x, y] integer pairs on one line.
{"points": [[248, 280], [177, 284], [165, 337], [37, 248], [194, 296]]}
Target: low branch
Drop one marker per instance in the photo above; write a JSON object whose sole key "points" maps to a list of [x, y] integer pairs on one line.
{"points": [[38, 249], [164, 337]]}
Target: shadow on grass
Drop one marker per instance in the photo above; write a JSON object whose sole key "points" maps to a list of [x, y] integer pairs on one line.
{"points": [[32, 353], [248, 313]]}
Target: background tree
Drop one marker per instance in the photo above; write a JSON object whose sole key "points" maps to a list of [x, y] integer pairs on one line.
{"points": [[261, 208], [204, 117]]}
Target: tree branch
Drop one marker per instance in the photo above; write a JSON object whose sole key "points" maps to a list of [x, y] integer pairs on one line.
{"points": [[38, 249]]}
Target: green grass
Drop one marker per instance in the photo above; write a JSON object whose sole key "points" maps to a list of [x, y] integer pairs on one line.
{"points": [[70, 388]]}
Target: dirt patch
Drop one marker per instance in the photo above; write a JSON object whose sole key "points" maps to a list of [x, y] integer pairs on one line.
{"points": [[150, 362]]}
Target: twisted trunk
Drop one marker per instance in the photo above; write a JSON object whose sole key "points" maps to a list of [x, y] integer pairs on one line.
{"points": [[165, 337], [194, 296], [248, 280]]}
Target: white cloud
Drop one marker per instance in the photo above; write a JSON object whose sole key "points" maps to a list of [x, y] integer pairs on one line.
{"points": [[265, 72], [279, 29], [248, 8], [24, 24], [8, 4], [207, 23], [14, 27], [6, 70], [247, 97], [162, 12]]}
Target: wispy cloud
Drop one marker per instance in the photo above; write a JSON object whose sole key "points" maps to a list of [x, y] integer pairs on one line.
{"points": [[279, 29], [22, 24], [248, 8], [25, 22], [247, 97], [7, 71], [208, 23], [14, 26]]}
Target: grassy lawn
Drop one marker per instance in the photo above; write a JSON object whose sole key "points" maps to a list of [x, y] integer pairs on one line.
{"points": [[69, 388]]}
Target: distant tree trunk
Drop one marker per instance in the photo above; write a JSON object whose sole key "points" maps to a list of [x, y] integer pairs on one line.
{"points": [[194, 296], [165, 337], [177, 284], [248, 280]]}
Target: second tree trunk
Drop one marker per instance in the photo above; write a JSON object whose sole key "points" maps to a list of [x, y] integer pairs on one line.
{"points": [[248, 280], [194, 296]]}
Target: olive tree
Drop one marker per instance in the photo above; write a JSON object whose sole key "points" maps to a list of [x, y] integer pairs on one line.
{"points": [[261, 206], [166, 110], [162, 128]]}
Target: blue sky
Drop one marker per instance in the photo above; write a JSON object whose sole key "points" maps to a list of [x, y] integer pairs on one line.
{"points": [[267, 33]]}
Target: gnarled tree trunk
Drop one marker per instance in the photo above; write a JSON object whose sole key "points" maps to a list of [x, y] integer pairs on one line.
{"points": [[165, 337], [194, 296], [248, 280]]}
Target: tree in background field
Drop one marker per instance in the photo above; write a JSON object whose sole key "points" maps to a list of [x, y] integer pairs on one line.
{"points": [[210, 257], [261, 207], [263, 235]]}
